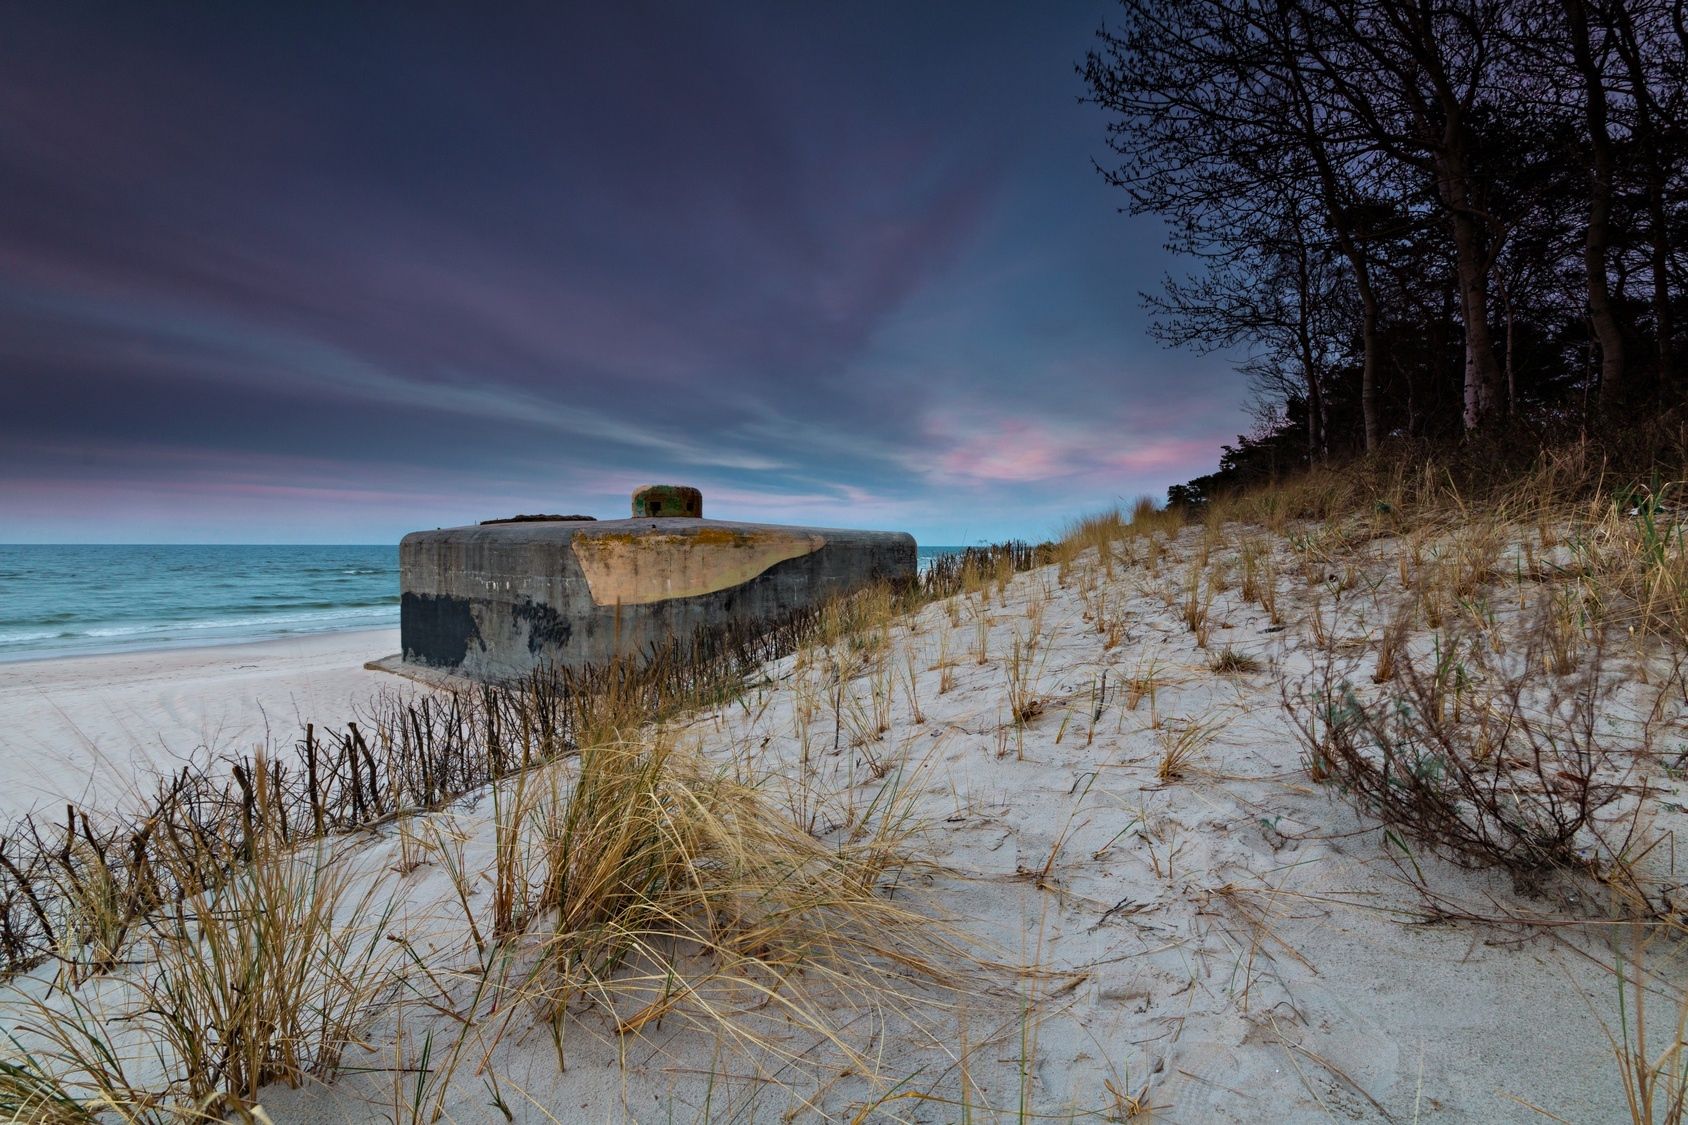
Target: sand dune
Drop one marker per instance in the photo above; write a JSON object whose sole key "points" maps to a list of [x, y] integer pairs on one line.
{"points": [[1223, 940]]}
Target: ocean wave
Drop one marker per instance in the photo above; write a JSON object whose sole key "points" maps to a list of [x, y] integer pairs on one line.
{"points": [[25, 638], [255, 627], [354, 613], [36, 621]]}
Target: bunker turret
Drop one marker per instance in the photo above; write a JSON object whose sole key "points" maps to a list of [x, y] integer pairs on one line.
{"points": [[500, 599], [667, 500]]}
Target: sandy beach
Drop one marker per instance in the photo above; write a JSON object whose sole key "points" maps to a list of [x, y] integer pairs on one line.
{"points": [[89, 728], [1219, 939]]}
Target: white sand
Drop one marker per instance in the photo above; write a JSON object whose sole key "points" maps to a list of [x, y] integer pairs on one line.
{"points": [[89, 728], [1232, 945]]}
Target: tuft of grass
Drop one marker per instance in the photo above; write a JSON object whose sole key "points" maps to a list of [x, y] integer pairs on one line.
{"points": [[1197, 604], [1230, 662], [671, 889], [911, 683], [1129, 1106], [1182, 742], [1254, 555], [28, 1093], [1143, 682], [1390, 645], [255, 982], [1113, 631], [1267, 586], [1023, 701]]}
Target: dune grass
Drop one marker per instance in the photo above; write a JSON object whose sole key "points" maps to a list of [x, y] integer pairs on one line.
{"points": [[264, 971], [634, 884]]}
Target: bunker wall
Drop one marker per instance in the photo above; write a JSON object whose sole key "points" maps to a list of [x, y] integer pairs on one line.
{"points": [[497, 602]]}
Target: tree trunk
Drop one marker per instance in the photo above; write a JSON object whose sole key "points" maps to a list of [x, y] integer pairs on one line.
{"points": [[1453, 184], [1511, 348], [1595, 245], [1412, 402], [1600, 312], [1663, 321], [1317, 439], [1481, 372], [1368, 370], [1650, 136], [1349, 243]]}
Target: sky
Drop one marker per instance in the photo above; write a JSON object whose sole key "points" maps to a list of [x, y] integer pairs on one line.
{"points": [[326, 272]]}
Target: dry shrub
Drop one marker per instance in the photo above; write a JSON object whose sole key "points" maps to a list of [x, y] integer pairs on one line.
{"points": [[1514, 779]]}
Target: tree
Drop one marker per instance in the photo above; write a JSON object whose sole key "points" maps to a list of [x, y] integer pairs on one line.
{"points": [[1214, 134], [1410, 215]]}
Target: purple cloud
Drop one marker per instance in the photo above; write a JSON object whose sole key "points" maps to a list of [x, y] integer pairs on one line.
{"points": [[348, 271]]}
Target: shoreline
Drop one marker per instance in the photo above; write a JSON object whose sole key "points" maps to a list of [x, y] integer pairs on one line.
{"points": [[9, 660]]}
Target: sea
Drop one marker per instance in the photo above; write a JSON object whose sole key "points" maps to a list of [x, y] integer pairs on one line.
{"points": [[67, 600]]}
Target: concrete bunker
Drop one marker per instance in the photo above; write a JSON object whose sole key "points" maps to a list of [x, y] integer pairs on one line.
{"points": [[499, 600]]}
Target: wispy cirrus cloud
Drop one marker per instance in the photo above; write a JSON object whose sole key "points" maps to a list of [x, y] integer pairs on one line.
{"points": [[366, 269]]}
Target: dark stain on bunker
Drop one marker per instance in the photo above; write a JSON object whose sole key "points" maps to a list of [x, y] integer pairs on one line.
{"points": [[437, 628], [547, 629]]}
